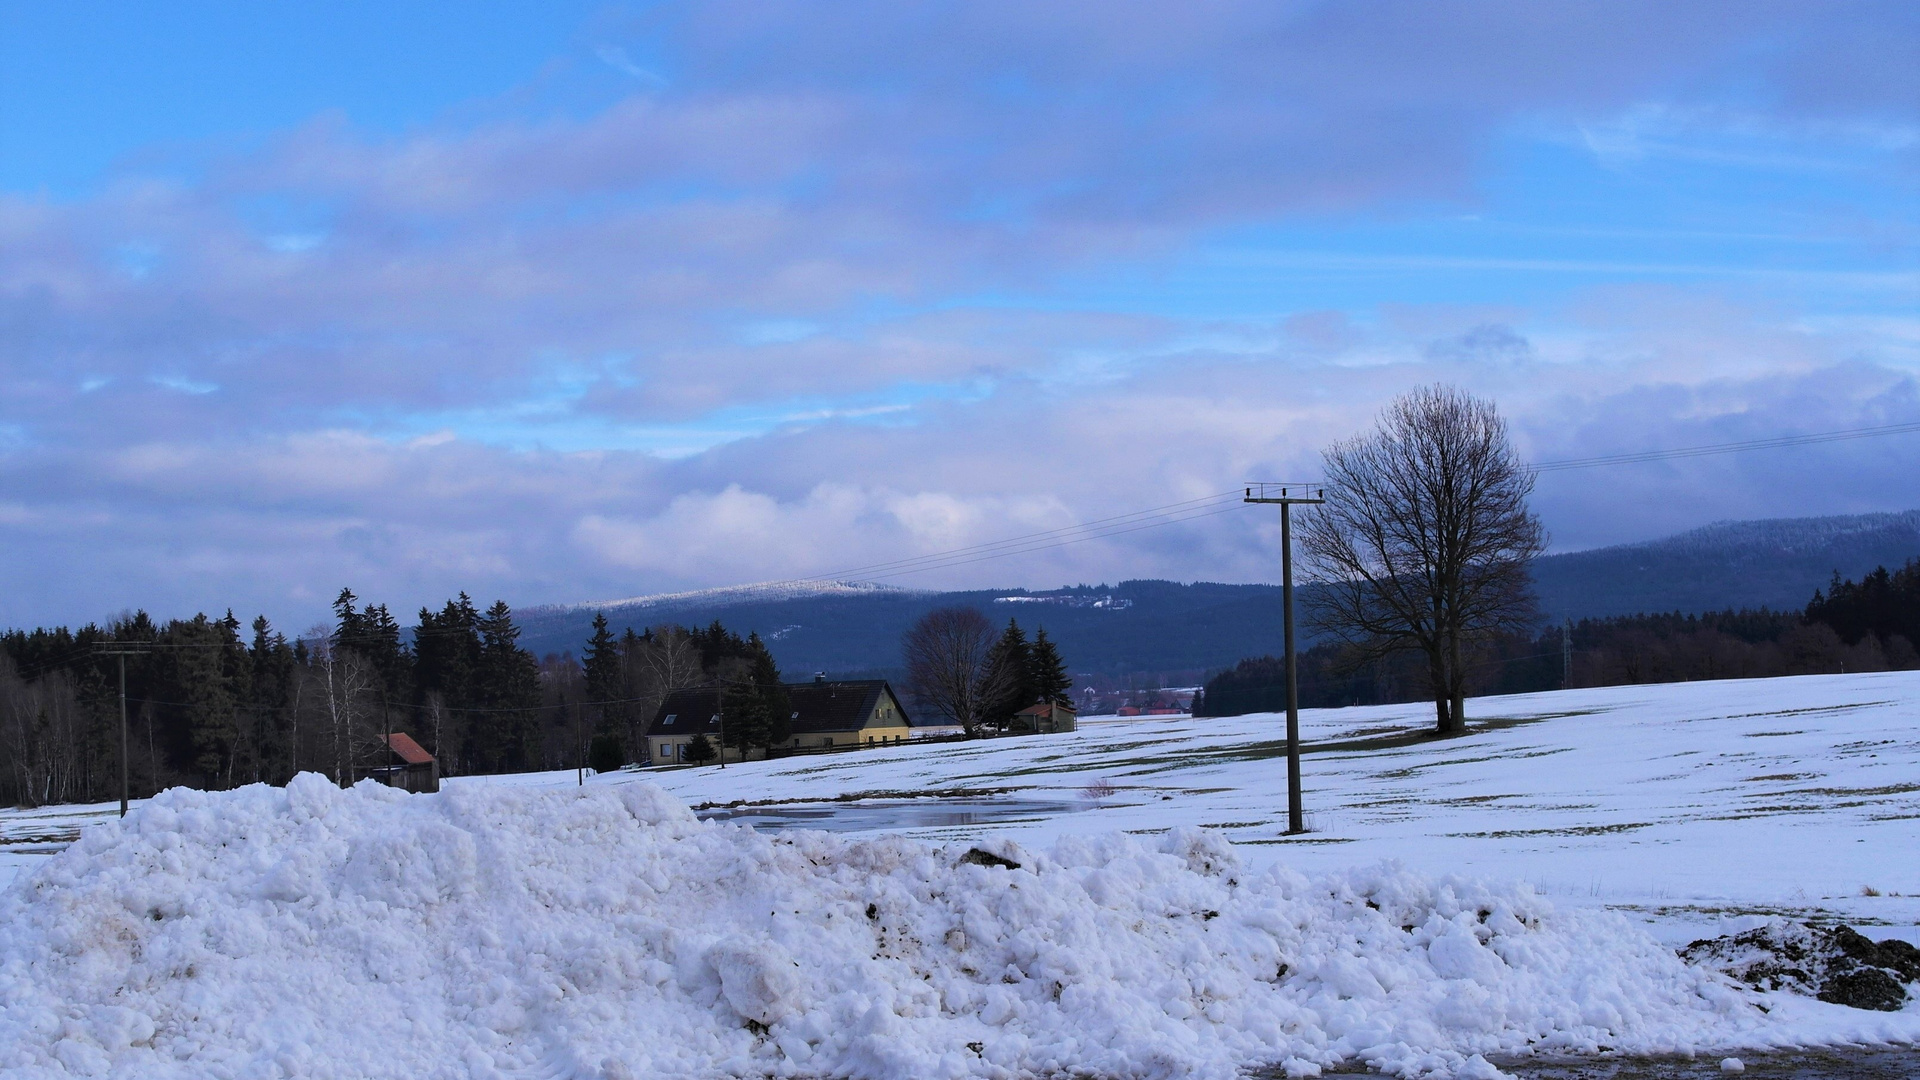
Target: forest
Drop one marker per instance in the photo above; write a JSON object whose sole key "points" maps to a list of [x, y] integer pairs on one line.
{"points": [[1865, 625], [213, 704]]}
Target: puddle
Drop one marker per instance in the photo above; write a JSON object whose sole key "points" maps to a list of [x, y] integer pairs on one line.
{"points": [[1841, 1063], [1835, 1063], [880, 815]]}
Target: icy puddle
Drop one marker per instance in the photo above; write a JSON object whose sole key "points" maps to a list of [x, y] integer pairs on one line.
{"points": [[1851, 1063], [1854, 1063], [892, 815]]}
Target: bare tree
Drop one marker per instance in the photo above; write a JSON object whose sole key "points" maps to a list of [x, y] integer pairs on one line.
{"points": [[349, 700], [1425, 538], [949, 655], [651, 668]]}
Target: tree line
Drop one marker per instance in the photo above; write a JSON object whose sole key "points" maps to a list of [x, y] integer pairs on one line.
{"points": [[213, 705], [1865, 625]]}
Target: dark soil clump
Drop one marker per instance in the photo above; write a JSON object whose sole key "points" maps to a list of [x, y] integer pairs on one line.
{"points": [[1837, 964]]}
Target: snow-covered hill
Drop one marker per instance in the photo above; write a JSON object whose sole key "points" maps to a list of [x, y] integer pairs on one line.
{"points": [[760, 593]]}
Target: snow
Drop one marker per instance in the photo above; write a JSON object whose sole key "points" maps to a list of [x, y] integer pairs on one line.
{"points": [[763, 592], [1696, 808], [1518, 889]]}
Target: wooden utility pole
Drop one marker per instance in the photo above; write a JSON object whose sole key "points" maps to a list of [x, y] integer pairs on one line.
{"points": [[121, 654], [121, 650], [1288, 496]]}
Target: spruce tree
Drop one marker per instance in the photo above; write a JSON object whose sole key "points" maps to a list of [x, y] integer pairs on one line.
{"points": [[271, 703], [1011, 664], [766, 677], [602, 669], [746, 716], [446, 664], [509, 684], [699, 750], [1047, 672]]}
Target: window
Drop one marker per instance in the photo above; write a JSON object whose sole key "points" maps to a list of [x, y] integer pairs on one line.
{"points": [[671, 717]]}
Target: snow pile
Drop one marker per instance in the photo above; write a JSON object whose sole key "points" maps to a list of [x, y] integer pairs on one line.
{"points": [[310, 931]]}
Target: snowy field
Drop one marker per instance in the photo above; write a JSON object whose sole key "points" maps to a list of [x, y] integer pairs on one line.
{"points": [[1685, 805], [1518, 889]]}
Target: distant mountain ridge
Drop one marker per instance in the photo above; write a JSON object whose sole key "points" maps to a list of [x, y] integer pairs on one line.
{"points": [[732, 595], [1775, 563], [1176, 630]]}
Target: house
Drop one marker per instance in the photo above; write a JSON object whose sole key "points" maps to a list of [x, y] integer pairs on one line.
{"points": [[684, 714], [406, 765], [1046, 717], [826, 715], [845, 712]]}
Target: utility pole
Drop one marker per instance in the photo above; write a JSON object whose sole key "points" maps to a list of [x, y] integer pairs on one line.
{"points": [[1566, 655], [1288, 496], [121, 650], [720, 713], [121, 654]]}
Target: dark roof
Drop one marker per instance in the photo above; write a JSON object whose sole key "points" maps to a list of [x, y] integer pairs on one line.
{"points": [[409, 751], [1042, 708], [692, 712], [820, 707]]}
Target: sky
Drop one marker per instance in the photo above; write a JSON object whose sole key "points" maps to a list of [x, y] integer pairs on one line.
{"points": [[563, 302]]}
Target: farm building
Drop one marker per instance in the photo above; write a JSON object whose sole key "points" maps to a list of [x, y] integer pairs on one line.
{"points": [[826, 715], [406, 765]]}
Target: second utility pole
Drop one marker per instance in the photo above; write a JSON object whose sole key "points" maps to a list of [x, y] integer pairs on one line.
{"points": [[1289, 495]]}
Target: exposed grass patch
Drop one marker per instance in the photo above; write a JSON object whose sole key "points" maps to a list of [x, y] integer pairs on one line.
{"points": [[1842, 792], [858, 796], [1571, 830], [1808, 711]]}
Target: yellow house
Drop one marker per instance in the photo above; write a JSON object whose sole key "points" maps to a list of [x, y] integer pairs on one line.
{"points": [[850, 712], [827, 715]]}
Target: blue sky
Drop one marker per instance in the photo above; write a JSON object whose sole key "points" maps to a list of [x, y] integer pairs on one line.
{"points": [[561, 301]]}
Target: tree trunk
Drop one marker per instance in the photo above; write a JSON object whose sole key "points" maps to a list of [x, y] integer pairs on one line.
{"points": [[1442, 700], [1456, 684]]}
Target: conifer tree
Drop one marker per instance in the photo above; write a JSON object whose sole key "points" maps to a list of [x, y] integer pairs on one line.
{"points": [[699, 750], [1048, 673], [446, 661], [1012, 660], [271, 702], [746, 715], [509, 683], [601, 666], [766, 677]]}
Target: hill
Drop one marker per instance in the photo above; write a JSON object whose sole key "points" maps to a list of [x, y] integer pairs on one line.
{"points": [[1177, 631], [1775, 563]]}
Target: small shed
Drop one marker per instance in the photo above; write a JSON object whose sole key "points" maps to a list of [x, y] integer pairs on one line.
{"points": [[407, 765], [1047, 717]]}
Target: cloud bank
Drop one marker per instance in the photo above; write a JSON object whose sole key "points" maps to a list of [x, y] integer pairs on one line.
{"points": [[829, 287]]}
